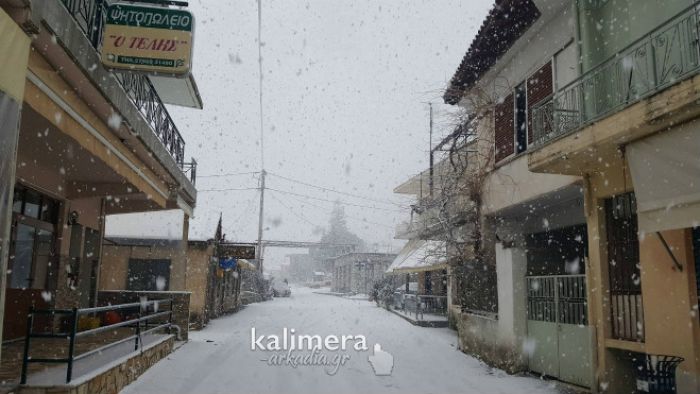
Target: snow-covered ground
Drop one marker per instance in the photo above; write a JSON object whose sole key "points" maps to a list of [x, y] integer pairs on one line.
{"points": [[219, 358]]}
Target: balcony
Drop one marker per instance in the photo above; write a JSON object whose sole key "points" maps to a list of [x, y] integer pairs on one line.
{"points": [[89, 16], [667, 55], [430, 218]]}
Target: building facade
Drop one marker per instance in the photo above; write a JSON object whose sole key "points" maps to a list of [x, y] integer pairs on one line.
{"points": [[584, 147], [357, 272], [90, 142]]}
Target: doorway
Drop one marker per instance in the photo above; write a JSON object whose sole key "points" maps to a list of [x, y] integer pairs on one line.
{"points": [[561, 342]]}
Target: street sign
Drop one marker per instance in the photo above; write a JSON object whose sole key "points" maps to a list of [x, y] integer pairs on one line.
{"points": [[238, 251], [149, 39]]}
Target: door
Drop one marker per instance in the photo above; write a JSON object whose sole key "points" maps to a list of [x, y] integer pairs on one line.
{"points": [[560, 341]]}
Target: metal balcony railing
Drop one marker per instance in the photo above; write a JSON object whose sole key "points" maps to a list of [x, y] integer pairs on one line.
{"points": [[420, 304], [143, 317], [90, 16], [661, 58], [431, 216]]}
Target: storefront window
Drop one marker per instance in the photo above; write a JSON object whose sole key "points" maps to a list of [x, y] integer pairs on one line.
{"points": [[23, 256], [32, 262]]}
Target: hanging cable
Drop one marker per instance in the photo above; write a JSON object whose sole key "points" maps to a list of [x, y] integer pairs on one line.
{"points": [[347, 216], [226, 175], [338, 191], [334, 201], [300, 216]]}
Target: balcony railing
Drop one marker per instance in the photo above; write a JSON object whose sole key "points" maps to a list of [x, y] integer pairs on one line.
{"points": [[419, 305], [431, 217], [90, 16], [665, 56]]}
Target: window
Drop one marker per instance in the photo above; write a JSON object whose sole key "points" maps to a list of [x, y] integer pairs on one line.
{"points": [[33, 260], [148, 275], [627, 313]]}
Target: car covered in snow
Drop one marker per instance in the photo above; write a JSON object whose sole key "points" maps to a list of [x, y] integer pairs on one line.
{"points": [[281, 288]]}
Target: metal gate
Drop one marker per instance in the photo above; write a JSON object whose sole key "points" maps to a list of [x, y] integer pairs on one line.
{"points": [[560, 340]]}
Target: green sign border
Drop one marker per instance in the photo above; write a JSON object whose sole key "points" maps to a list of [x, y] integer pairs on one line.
{"points": [[163, 12]]}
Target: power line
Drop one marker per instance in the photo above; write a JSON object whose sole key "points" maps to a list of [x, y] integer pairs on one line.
{"points": [[300, 216], [225, 175], [228, 190], [245, 211], [332, 201], [347, 216], [338, 191]]}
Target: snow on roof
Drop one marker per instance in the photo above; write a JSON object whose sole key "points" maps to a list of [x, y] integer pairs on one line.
{"points": [[319, 273], [504, 25], [420, 255]]}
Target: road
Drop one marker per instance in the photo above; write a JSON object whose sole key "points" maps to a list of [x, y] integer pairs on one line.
{"points": [[219, 358]]}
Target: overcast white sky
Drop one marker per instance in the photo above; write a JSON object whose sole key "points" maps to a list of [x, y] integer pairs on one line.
{"points": [[346, 84]]}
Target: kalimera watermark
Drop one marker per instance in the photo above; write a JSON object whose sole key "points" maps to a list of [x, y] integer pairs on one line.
{"points": [[330, 352]]}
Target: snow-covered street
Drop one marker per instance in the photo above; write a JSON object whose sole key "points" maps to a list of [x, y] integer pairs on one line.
{"points": [[219, 358]]}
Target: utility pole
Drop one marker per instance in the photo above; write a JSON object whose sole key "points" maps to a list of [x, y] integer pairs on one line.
{"points": [[430, 180], [258, 250]]}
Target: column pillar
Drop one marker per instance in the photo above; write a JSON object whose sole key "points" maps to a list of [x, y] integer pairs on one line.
{"points": [[511, 266], [14, 45]]}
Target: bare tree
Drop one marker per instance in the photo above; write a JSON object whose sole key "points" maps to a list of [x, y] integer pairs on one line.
{"points": [[468, 155]]}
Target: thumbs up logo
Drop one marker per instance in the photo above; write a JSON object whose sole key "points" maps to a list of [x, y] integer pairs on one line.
{"points": [[382, 362]]}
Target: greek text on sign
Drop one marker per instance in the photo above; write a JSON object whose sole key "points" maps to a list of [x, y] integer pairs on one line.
{"points": [[151, 39]]}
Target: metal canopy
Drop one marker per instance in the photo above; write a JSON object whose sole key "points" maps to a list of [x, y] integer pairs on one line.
{"points": [[420, 255], [178, 91]]}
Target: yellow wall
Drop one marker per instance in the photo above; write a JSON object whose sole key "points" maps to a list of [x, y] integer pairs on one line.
{"points": [[198, 276], [670, 301], [669, 295], [115, 263], [46, 107], [14, 47]]}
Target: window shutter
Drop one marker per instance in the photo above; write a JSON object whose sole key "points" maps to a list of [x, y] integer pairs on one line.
{"points": [[539, 87], [503, 119]]}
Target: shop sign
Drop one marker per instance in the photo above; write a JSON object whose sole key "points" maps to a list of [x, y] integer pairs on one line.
{"points": [[148, 39]]}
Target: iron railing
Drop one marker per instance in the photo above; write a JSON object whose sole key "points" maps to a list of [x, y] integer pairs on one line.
{"points": [[420, 304], [663, 57], [140, 315], [557, 299], [90, 16], [624, 273]]}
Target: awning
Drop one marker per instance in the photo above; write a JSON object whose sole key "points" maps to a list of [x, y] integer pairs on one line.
{"points": [[419, 256], [177, 91], [246, 265], [665, 171]]}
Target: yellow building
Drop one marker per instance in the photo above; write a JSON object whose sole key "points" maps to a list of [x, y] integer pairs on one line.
{"points": [[629, 127], [91, 142]]}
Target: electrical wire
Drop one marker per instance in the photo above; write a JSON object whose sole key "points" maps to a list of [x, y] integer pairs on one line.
{"points": [[338, 191], [228, 190], [225, 175], [333, 201], [300, 216], [347, 216]]}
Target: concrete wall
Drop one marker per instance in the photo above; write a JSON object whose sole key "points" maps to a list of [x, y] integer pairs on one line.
{"points": [[512, 183], [357, 272], [198, 273], [115, 263]]}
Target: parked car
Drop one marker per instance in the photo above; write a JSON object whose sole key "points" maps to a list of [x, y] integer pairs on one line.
{"points": [[280, 288]]}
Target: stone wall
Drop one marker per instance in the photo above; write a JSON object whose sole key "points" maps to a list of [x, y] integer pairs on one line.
{"points": [[113, 380]]}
